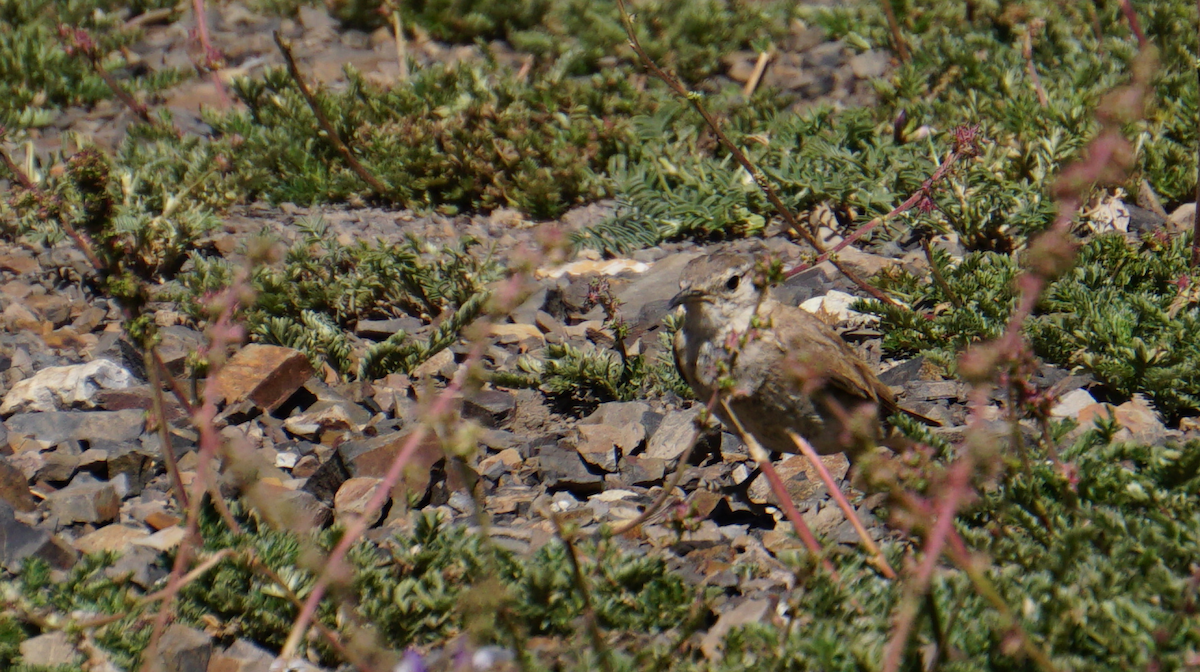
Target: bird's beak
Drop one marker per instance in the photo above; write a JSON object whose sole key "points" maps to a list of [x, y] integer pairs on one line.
{"points": [[686, 296]]}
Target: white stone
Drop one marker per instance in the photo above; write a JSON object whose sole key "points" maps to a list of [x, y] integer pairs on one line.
{"points": [[65, 387], [1111, 214], [835, 304], [1071, 403], [587, 266], [613, 495]]}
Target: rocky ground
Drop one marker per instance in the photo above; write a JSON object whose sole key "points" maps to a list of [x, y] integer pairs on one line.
{"points": [[81, 466]]}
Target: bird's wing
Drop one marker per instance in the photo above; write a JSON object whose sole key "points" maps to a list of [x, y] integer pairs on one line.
{"points": [[811, 343]]}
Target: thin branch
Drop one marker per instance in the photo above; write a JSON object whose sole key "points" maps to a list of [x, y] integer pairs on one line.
{"points": [[1196, 217], [580, 581], [680, 467], [763, 458], [760, 66], [956, 486], [335, 139], [78, 41], [814, 459], [937, 274], [1131, 17], [401, 42], [966, 144], [164, 433], [760, 179], [894, 27], [1027, 50]]}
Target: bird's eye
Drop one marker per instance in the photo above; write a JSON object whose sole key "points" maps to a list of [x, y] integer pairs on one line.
{"points": [[732, 283]]}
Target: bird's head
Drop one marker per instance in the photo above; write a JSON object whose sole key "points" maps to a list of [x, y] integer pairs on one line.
{"points": [[719, 287]]}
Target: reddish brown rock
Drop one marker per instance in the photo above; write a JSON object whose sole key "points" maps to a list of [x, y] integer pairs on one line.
{"points": [[19, 263], [373, 457], [352, 498], [118, 538], [14, 488], [265, 375]]}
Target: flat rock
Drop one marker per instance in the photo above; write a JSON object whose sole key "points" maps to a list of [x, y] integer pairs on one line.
{"points": [[800, 477], [286, 509], [184, 649], [1072, 403], [241, 656], [264, 375], [19, 541], [85, 502], [490, 407], [870, 64], [564, 470], [116, 538], [381, 329], [350, 502], [14, 487], [676, 431], [55, 427], [834, 307], [373, 458], [51, 649], [65, 387], [746, 613]]}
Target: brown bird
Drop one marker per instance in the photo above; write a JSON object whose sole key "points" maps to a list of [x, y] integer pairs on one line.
{"points": [[783, 369]]}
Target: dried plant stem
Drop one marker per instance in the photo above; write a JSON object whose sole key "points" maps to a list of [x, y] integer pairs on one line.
{"points": [[336, 140], [758, 176], [956, 486], [210, 443], [210, 53], [401, 42], [814, 459], [125, 97], [581, 586], [760, 66], [1027, 50], [164, 433], [763, 458], [1134, 25], [1196, 217], [680, 468], [964, 146], [937, 274], [894, 27]]}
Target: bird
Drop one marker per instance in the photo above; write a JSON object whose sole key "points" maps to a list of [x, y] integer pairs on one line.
{"points": [[780, 369]]}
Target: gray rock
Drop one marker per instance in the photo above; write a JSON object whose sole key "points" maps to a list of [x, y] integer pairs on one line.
{"points": [[59, 426], [65, 387], [929, 390], [51, 649], [870, 64], [19, 541], [564, 470], [241, 656], [747, 612], [184, 649], [641, 470], [491, 407], [674, 434], [58, 466], [85, 502], [381, 329]]}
